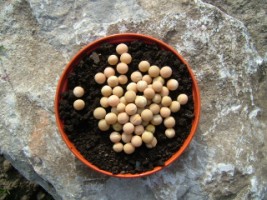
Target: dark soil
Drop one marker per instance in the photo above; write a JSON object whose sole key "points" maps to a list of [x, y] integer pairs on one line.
{"points": [[81, 126]]}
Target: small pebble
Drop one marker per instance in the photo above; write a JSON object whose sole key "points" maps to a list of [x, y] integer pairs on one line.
{"points": [[115, 137], [99, 113], [175, 106], [123, 79], [153, 71], [169, 122], [141, 86], [172, 84], [182, 99], [131, 109], [165, 72], [109, 71], [156, 120], [126, 137], [113, 59], [149, 93], [165, 112], [102, 125], [139, 129], [104, 102], [118, 147], [128, 128], [113, 100], [122, 68], [136, 141], [147, 115], [100, 78], [136, 76], [130, 96], [106, 91], [126, 58], [166, 101], [78, 104], [147, 137], [170, 132], [147, 79], [136, 119], [157, 86], [113, 81], [123, 118], [128, 148], [118, 91], [143, 66], [78, 91], [121, 48], [111, 118], [140, 101]]}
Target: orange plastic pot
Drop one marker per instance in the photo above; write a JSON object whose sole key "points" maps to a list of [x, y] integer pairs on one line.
{"points": [[119, 38]]}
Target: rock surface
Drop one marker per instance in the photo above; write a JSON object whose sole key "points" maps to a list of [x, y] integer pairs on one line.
{"points": [[227, 157]]}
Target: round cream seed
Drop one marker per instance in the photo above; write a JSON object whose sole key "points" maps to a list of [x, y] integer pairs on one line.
{"points": [[114, 110], [109, 71], [78, 104], [123, 100], [149, 93], [78, 91], [136, 76], [155, 108], [122, 68], [121, 107], [136, 119], [139, 130], [126, 137], [123, 118], [172, 84], [132, 86], [160, 79], [157, 86], [170, 132], [153, 71], [126, 58], [147, 137], [104, 102], [117, 127], [111, 118], [123, 79], [100, 78], [140, 101], [113, 100], [121, 48], [113, 59], [182, 99], [152, 144], [118, 147], [164, 91], [99, 113], [165, 72], [128, 128], [136, 141], [106, 91], [147, 115], [118, 91], [150, 128], [157, 120], [102, 125], [169, 122], [130, 96], [147, 79], [143, 66], [165, 112], [175, 106], [115, 137], [113, 81], [128, 148], [131, 109], [166, 101], [141, 86], [157, 98]]}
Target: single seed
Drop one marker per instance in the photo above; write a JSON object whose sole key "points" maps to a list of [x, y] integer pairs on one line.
{"points": [[113, 100], [102, 125], [118, 91], [128, 148], [104, 102], [156, 120], [147, 137], [126, 58], [115, 137], [131, 109], [147, 79], [157, 98], [106, 91], [157, 86], [136, 119], [109, 71], [78, 91], [160, 79], [147, 115], [111, 118], [136, 76], [165, 72], [170, 132], [149, 93], [143, 66], [99, 113], [123, 79], [172, 84], [113, 59], [121, 107], [113, 81], [182, 99], [175, 106], [78, 104], [114, 110], [128, 128], [130, 96], [123, 100], [132, 86], [166, 101], [153, 71], [150, 128], [123, 118], [126, 137], [136, 141], [152, 144], [138, 130], [118, 147], [121, 48], [169, 122], [164, 91], [141, 86], [100, 78], [165, 112], [140, 101], [122, 68], [117, 127], [155, 108]]}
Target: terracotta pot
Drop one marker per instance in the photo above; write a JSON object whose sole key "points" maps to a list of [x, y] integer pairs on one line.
{"points": [[119, 38]]}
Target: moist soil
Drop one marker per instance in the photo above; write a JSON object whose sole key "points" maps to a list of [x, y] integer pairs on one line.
{"points": [[82, 128]]}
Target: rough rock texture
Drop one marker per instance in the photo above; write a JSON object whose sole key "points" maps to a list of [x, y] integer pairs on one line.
{"points": [[227, 157]]}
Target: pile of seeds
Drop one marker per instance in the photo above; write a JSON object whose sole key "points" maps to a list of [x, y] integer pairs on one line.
{"points": [[86, 97], [133, 117]]}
